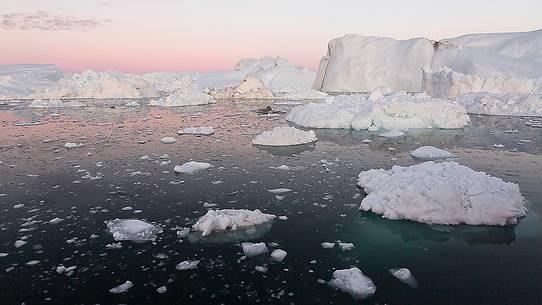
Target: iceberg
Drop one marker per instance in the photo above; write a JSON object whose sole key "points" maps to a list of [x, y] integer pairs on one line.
{"points": [[510, 104], [441, 193], [19, 81], [249, 88], [191, 167], [222, 220], [278, 255], [187, 265], [285, 136], [354, 282], [253, 249], [428, 153], [397, 111], [133, 229], [405, 276], [186, 94]]}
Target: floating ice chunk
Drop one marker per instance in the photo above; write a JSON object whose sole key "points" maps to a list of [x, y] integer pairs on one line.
{"points": [[253, 249], [283, 167], [32, 262], [513, 104], [278, 255], [392, 134], [168, 140], [131, 104], [250, 88], [161, 289], [183, 232], [279, 191], [122, 287], [428, 153], [73, 145], [3, 254], [354, 282], [261, 269], [55, 220], [54, 103], [221, 220], [112, 246], [18, 206], [346, 246], [19, 243], [441, 193], [133, 229], [187, 265], [285, 136], [328, 245], [405, 276], [191, 167], [197, 131]]}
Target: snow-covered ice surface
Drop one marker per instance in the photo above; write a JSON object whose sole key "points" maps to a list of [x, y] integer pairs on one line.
{"points": [[230, 219], [354, 282], [393, 111], [511, 104], [285, 136], [18, 81], [441, 193], [250, 88], [428, 153], [123, 171], [133, 229]]}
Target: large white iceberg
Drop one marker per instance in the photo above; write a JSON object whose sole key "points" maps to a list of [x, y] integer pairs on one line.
{"points": [[99, 85], [513, 104], [394, 111], [133, 229], [354, 282], [185, 93], [285, 136], [221, 220], [18, 81], [441, 193], [171, 81], [249, 88]]}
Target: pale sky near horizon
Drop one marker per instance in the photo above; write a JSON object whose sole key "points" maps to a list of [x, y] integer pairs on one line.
{"points": [[205, 35]]}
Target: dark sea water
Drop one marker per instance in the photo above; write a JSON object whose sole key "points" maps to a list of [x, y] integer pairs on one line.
{"points": [[89, 185]]}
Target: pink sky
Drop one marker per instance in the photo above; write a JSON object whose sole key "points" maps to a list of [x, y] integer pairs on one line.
{"points": [[167, 35]]}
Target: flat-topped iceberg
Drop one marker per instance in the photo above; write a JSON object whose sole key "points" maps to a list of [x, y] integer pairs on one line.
{"points": [[512, 104], [133, 229], [249, 88], [428, 153], [394, 111], [285, 136], [354, 282], [18, 81], [221, 220], [253, 249], [441, 193]]}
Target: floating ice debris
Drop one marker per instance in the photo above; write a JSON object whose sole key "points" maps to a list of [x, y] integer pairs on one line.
{"points": [[285, 136], [18, 206], [428, 153], [66, 270], [168, 140], [354, 282], [328, 245], [261, 269], [73, 145], [113, 246], [183, 232], [279, 191], [197, 131], [19, 243], [346, 246], [392, 134], [366, 141], [534, 123], [133, 229], [405, 276], [253, 249], [441, 193], [28, 123], [278, 255], [498, 145], [187, 265], [32, 262], [55, 220], [131, 104], [191, 167], [221, 220], [161, 289], [122, 288], [54, 103], [283, 217], [3, 254]]}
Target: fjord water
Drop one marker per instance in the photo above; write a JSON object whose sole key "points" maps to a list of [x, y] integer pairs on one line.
{"points": [[89, 185]]}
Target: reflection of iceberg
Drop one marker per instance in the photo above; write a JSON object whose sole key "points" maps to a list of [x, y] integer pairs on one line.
{"points": [[412, 231], [224, 237], [286, 150]]}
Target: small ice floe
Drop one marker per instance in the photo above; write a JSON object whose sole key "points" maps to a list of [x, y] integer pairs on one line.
{"points": [[328, 245], [366, 141], [183, 232], [113, 246], [278, 255], [71, 145], [285, 136], [168, 140], [392, 134], [122, 287], [3, 254], [205, 131], [498, 145], [221, 220], [191, 167], [354, 282], [262, 269], [405, 276], [279, 191], [28, 123], [427, 153], [441, 193], [283, 217], [511, 131], [283, 167], [55, 220], [18, 206], [131, 104], [133, 229], [346, 246], [187, 265], [19, 243], [32, 262], [253, 249], [534, 123], [161, 289], [65, 270]]}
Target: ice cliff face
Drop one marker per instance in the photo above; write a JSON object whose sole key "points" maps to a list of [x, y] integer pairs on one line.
{"points": [[506, 62], [17, 81]]}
